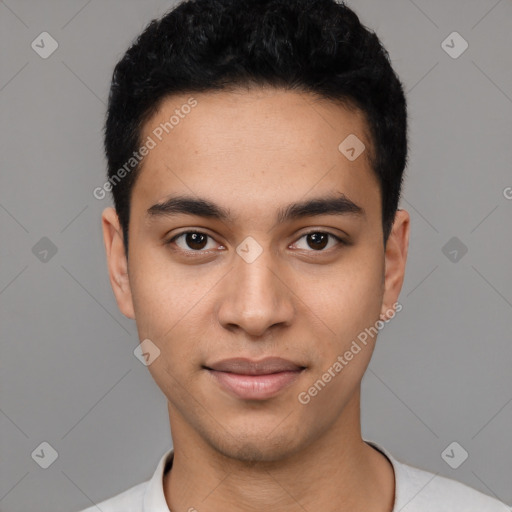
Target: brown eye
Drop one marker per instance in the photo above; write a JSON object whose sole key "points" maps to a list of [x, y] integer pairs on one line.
{"points": [[192, 241], [196, 241], [318, 241]]}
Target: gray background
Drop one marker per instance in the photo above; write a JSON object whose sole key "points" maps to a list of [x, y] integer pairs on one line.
{"points": [[441, 370]]}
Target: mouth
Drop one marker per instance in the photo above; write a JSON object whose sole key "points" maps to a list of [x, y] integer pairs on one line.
{"points": [[255, 380]]}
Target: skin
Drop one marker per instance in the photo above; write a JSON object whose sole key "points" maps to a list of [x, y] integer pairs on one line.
{"points": [[254, 152]]}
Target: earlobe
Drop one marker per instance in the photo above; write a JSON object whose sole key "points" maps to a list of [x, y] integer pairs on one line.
{"points": [[395, 261], [116, 261]]}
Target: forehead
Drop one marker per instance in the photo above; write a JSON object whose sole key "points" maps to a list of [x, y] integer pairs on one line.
{"points": [[253, 149]]}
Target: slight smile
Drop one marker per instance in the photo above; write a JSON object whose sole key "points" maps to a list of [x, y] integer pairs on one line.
{"points": [[255, 380]]}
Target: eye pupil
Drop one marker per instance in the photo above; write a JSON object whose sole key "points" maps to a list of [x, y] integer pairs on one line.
{"points": [[196, 239], [319, 240]]}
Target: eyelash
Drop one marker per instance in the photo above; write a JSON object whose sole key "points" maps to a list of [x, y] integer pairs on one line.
{"points": [[199, 252]]}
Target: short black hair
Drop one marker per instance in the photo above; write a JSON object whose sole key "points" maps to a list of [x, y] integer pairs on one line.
{"points": [[315, 46]]}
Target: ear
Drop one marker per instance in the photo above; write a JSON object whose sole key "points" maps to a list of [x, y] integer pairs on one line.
{"points": [[117, 262], [395, 259]]}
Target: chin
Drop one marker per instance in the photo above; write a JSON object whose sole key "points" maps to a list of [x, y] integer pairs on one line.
{"points": [[254, 451], [255, 446]]}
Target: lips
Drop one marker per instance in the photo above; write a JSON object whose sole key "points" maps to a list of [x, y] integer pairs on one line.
{"points": [[254, 380], [248, 367]]}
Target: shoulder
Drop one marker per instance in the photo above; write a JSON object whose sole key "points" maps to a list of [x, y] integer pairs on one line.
{"points": [[418, 490], [130, 500], [146, 496]]}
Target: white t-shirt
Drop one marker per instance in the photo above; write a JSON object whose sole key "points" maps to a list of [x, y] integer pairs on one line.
{"points": [[416, 490]]}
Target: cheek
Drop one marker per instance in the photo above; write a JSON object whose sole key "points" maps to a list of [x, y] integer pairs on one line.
{"points": [[351, 295], [172, 309], [350, 307], [161, 294]]}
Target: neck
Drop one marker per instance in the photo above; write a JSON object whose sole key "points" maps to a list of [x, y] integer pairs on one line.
{"points": [[336, 471]]}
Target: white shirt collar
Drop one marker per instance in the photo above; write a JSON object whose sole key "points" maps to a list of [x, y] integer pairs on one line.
{"points": [[416, 490], [154, 497]]}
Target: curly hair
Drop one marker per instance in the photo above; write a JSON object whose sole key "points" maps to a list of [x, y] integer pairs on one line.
{"points": [[314, 46]]}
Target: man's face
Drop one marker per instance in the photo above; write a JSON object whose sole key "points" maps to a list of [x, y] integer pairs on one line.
{"points": [[258, 283]]}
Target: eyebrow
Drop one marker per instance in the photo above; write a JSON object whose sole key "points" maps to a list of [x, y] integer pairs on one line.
{"points": [[188, 205]]}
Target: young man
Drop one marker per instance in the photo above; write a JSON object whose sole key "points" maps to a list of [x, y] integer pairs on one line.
{"points": [[255, 151]]}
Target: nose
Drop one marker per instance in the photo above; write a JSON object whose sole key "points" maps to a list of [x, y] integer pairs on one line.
{"points": [[256, 297]]}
